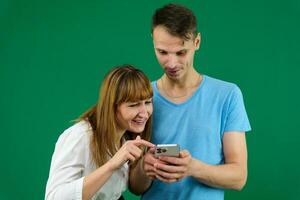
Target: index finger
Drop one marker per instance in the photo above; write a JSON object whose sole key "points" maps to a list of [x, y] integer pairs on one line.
{"points": [[140, 142]]}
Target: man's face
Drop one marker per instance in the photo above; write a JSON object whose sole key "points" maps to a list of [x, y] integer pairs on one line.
{"points": [[175, 55]]}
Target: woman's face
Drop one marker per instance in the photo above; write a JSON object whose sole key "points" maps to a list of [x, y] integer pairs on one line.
{"points": [[132, 116]]}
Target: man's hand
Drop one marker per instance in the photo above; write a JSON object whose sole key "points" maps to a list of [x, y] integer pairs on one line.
{"points": [[149, 161], [148, 164], [171, 169]]}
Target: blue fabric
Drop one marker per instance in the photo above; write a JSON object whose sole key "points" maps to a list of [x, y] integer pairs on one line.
{"points": [[197, 125]]}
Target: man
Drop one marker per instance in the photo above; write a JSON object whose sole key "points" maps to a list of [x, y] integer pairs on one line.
{"points": [[205, 116]]}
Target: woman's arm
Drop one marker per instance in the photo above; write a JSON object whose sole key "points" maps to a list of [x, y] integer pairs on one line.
{"points": [[67, 164], [65, 179], [139, 182], [95, 180]]}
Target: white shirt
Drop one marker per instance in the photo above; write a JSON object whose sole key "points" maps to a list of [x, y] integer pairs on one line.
{"points": [[72, 160]]}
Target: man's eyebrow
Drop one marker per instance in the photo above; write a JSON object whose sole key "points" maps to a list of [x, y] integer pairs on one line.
{"points": [[181, 50]]}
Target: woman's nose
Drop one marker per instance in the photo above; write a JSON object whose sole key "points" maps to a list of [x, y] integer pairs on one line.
{"points": [[143, 110]]}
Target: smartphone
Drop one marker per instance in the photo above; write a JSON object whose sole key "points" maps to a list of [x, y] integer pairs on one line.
{"points": [[167, 150]]}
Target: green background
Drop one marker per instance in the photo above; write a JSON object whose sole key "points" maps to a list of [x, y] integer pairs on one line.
{"points": [[54, 54]]}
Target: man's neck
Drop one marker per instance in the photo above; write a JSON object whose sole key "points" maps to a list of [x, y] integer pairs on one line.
{"points": [[189, 80], [179, 90]]}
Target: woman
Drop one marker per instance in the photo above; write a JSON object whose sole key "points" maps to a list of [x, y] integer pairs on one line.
{"points": [[91, 157]]}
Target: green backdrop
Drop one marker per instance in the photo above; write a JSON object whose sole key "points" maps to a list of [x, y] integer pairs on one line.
{"points": [[54, 54]]}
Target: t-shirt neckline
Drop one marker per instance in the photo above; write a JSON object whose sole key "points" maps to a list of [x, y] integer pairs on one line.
{"points": [[184, 102]]}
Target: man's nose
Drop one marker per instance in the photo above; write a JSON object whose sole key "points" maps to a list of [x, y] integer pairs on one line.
{"points": [[172, 61]]}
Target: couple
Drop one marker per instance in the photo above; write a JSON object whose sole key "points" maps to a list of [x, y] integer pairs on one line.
{"points": [[108, 148]]}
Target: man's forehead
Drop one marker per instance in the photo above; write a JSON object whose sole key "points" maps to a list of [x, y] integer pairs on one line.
{"points": [[168, 44], [171, 46], [164, 41], [161, 34]]}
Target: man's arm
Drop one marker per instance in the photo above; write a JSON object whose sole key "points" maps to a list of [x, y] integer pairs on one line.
{"points": [[230, 175]]}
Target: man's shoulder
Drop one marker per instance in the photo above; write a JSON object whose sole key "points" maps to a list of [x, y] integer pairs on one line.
{"points": [[153, 82], [218, 84]]}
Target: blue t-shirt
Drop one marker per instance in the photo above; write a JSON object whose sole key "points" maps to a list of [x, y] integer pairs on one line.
{"points": [[197, 125]]}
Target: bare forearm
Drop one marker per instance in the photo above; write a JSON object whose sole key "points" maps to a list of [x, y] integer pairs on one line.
{"points": [[228, 176], [139, 182], [96, 180]]}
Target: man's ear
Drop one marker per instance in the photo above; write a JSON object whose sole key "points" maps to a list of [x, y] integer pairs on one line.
{"points": [[197, 41]]}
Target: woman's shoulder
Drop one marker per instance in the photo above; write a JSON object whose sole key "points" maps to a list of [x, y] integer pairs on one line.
{"points": [[80, 127], [80, 132]]}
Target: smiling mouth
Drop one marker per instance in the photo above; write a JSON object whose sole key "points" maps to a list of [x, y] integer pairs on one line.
{"points": [[140, 122]]}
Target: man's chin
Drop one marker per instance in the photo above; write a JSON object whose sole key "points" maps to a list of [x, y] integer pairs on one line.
{"points": [[174, 76]]}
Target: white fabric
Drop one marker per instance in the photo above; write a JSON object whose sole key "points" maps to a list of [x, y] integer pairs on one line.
{"points": [[72, 160]]}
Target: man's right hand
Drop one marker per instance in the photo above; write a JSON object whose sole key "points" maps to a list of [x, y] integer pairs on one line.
{"points": [[148, 163]]}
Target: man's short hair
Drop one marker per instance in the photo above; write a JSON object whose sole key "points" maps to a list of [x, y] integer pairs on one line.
{"points": [[178, 20]]}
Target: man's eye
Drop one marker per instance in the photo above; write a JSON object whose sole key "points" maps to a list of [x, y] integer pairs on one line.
{"points": [[162, 52], [181, 53], [133, 105]]}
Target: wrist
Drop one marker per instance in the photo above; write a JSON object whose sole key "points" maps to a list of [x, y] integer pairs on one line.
{"points": [[110, 166], [191, 167]]}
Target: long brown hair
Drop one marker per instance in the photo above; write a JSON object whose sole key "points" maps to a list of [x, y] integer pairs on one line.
{"points": [[122, 84]]}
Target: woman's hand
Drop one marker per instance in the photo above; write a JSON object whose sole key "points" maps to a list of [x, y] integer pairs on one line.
{"points": [[129, 151]]}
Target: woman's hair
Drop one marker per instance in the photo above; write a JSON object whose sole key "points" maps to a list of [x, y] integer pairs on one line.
{"points": [[122, 84]]}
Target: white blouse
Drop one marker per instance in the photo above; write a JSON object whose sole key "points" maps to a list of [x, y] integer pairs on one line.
{"points": [[72, 160]]}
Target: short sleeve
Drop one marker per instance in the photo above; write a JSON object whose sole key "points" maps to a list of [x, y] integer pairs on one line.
{"points": [[236, 116]]}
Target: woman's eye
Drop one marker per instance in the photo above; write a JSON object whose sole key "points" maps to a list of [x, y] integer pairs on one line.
{"points": [[148, 102], [133, 105]]}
